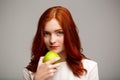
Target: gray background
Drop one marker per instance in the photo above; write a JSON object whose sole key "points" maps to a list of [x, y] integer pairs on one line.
{"points": [[99, 30]]}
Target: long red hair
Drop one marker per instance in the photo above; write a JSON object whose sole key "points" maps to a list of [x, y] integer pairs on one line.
{"points": [[71, 40]]}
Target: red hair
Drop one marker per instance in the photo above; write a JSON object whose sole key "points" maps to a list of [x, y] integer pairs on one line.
{"points": [[71, 40]]}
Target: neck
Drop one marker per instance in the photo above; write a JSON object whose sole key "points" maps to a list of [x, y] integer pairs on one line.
{"points": [[63, 56]]}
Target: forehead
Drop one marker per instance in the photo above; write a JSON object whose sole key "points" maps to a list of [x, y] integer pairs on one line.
{"points": [[51, 25]]}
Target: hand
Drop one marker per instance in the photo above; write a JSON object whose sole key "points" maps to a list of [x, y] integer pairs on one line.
{"points": [[47, 69]]}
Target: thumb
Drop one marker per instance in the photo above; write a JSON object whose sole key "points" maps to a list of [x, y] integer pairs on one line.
{"points": [[40, 61]]}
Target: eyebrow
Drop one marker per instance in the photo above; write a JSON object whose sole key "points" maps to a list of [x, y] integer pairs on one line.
{"points": [[55, 30], [58, 30]]}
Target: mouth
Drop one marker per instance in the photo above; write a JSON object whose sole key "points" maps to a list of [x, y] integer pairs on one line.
{"points": [[54, 47]]}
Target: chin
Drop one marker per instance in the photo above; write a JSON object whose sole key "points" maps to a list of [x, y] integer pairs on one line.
{"points": [[56, 51]]}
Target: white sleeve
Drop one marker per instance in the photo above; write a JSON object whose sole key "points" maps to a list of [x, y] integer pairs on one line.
{"points": [[27, 75], [93, 75]]}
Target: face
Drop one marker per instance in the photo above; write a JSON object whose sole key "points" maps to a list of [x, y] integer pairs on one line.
{"points": [[54, 36]]}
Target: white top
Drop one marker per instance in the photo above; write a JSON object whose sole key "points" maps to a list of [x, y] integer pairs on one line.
{"points": [[64, 73]]}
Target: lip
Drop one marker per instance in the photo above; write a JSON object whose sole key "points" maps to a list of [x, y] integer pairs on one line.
{"points": [[54, 47]]}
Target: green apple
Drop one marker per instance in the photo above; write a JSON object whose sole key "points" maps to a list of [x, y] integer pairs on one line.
{"points": [[50, 55]]}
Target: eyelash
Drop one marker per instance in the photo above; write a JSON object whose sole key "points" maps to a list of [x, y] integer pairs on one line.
{"points": [[58, 33], [46, 34]]}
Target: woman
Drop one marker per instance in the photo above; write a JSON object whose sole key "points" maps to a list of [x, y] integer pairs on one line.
{"points": [[57, 32]]}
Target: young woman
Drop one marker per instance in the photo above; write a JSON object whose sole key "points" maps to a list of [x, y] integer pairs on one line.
{"points": [[57, 32]]}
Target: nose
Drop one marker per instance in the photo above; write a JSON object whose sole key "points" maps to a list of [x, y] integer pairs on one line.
{"points": [[52, 39]]}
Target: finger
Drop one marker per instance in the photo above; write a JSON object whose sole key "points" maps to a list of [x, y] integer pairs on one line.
{"points": [[40, 60], [53, 61], [49, 75], [52, 70], [55, 66]]}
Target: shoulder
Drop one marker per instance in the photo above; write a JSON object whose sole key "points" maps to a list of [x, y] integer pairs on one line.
{"points": [[92, 69], [26, 71], [89, 64], [27, 75]]}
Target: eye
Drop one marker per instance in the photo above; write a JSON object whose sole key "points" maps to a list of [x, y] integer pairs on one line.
{"points": [[46, 34], [59, 33]]}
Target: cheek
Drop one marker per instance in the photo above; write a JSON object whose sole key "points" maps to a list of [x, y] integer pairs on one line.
{"points": [[62, 43], [46, 41], [61, 40]]}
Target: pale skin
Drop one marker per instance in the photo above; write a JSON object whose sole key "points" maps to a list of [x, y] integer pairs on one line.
{"points": [[54, 41], [46, 70]]}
